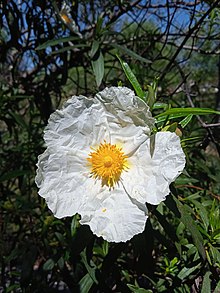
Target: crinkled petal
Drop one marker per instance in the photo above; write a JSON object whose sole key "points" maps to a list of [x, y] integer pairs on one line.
{"points": [[81, 123], [115, 115], [129, 118], [61, 177], [112, 215], [128, 108], [148, 178]]}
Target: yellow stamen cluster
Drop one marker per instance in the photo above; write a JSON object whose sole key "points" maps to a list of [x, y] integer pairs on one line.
{"points": [[107, 162]]}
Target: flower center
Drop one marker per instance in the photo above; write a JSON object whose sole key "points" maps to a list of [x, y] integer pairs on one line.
{"points": [[107, 163]]}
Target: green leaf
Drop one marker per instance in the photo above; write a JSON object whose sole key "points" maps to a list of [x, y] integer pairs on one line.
{"points": [[151, 96], [64, 49], [55, 42], [19, 119], [60, 238], [94, 49], [192, 227], [131, 53], [185, 180], [98, 69], [167, 227], [91, 268], [80, 240], [202, 213], [132, 78], [216, 234], [13, 288], [15, 97], [86, 283], [217, 288], [13, 174], [152, 144], [206, 284], [136, 289], [215, 254], [61, 262], [159, 105], [186, 120], [186, 271], [170, 127], [48, 265], [181, 112], [74, 224], [105, 247], [99, 23]]}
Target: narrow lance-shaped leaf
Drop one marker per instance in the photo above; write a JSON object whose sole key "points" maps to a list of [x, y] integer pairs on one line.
{"points": [[181, 112], [86, 283], [186, 271], [94, 49], [55, 42], [19, 119], [152, 145], [90, 269], [131, 53], [152, 93], [67, 48], [217, 288], [151, 96], [160, 105], [186, 120], [206, 284], [191, 225], [132, 78], [98, 69]]}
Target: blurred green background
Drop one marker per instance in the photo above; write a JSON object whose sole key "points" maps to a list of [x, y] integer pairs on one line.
{"points": [[50, 50]]}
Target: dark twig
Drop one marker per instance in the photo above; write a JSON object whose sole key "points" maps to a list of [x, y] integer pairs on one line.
{"points": [[190, 32]]}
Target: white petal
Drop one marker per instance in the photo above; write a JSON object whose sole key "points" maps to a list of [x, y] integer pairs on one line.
{"points": [[148, 179], [129, 118], [115, 115], [113, 216], [122, 103], [79, 124], [61, 178]]}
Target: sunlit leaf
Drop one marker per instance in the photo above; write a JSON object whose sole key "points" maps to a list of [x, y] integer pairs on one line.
{"points": [[186, 120], [181, 112], [170, 127], [132, 78], [159, 105]]}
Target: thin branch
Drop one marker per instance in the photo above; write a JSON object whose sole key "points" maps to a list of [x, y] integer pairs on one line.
{"points": [[199, 188], [190, 32]]}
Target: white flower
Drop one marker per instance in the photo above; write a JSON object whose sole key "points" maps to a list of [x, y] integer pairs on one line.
{"points": [[98, 163]]}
